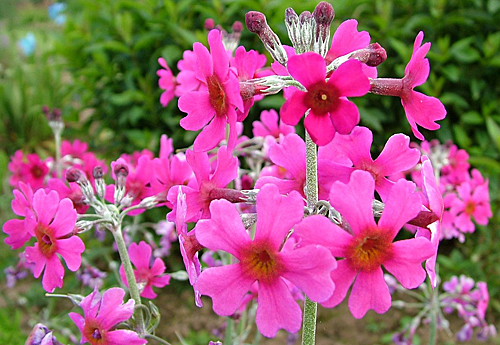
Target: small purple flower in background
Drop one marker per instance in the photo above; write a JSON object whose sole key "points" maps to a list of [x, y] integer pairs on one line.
{"points": [[20, 271], [91, 277], [101, 315], [41, 335], [27, 44], [56, 12], [166, 230]]}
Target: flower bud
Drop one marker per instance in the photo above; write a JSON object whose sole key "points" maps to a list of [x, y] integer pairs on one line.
{"points": [[323, 16], [256, 23]]}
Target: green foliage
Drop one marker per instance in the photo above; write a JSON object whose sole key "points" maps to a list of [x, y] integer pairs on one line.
{"points": [[10, 327]]}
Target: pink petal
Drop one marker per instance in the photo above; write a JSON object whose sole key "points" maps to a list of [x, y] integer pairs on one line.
{"points": [[277, 309], [53, 275], [309, 269], [320, 128], [347, 39], [224, 231], [354, 200], [294, 108], [342, 276], [402, 205], [227, 168], [204, 61], [123, 336], [198, 161], [232, 88], [307, 68], [198, 108], [345, 117], [65, 219], [226, 285], [355, 146], [350, 80], [331, 236], [370, 291], [158, 267], [397, 156], [71, 250], [18, 235], [406, 263], [112, 310], [140, 255], [219, 56], [211, 135], [284, 186], [78, 320], [276, 215], [290, 154], [45, 205], [34, 255], [424, 111]]}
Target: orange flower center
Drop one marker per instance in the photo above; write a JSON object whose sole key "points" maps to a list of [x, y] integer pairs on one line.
{"points": [[46, 240], [217, 95], [261, 263], [94, 334], [470, 207], [369, 250], [322, 98]]}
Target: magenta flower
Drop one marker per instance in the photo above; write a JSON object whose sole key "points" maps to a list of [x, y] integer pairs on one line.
{"points": [[471, 203], [140, 255], [168, 172], [30, 170], [52, 222], [75, 149], [22, 205], [329, 112], [166, 82], [101, 315], [186, 79], [216, 101], [72, 192], [420, 109], [434, 201], [370, 245], [395, 158], [270, 124], [189, 246], [198, 197], [261, 260]]}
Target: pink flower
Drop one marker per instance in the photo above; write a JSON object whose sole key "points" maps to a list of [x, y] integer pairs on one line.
{"points": [[198, 197], [30, 170], [434, 201], [471, 202], [101, 315], [52, 222], [420, 109], [269, 125], [186, 79], [396, 157], [189, 246], [369, 246], [261, 260], [140, 255], [22, 205], [168, 172], [73, 192], [216, 100], [329, 112], [166, 82], [75, 149]]}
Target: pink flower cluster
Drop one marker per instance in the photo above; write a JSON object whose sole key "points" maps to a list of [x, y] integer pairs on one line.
{"points": [[465, 193]]}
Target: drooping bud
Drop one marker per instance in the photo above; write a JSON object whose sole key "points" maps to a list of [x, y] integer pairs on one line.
{"points": [[323, 16], [293, 27], [256, 23], [100, 185], [372, 56], [237, 26], [75, 175], [121, 172]]}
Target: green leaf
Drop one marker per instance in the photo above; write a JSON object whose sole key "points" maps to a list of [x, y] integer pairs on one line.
{"points": [[463, 51], [494, 131]]}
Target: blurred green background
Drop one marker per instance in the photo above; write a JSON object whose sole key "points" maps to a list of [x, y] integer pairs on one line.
{"points": [[100, 67]]}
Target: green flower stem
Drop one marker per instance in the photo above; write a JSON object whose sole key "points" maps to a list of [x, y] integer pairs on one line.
{"points": [[129, 273], [434, 310], [310, 307]]}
